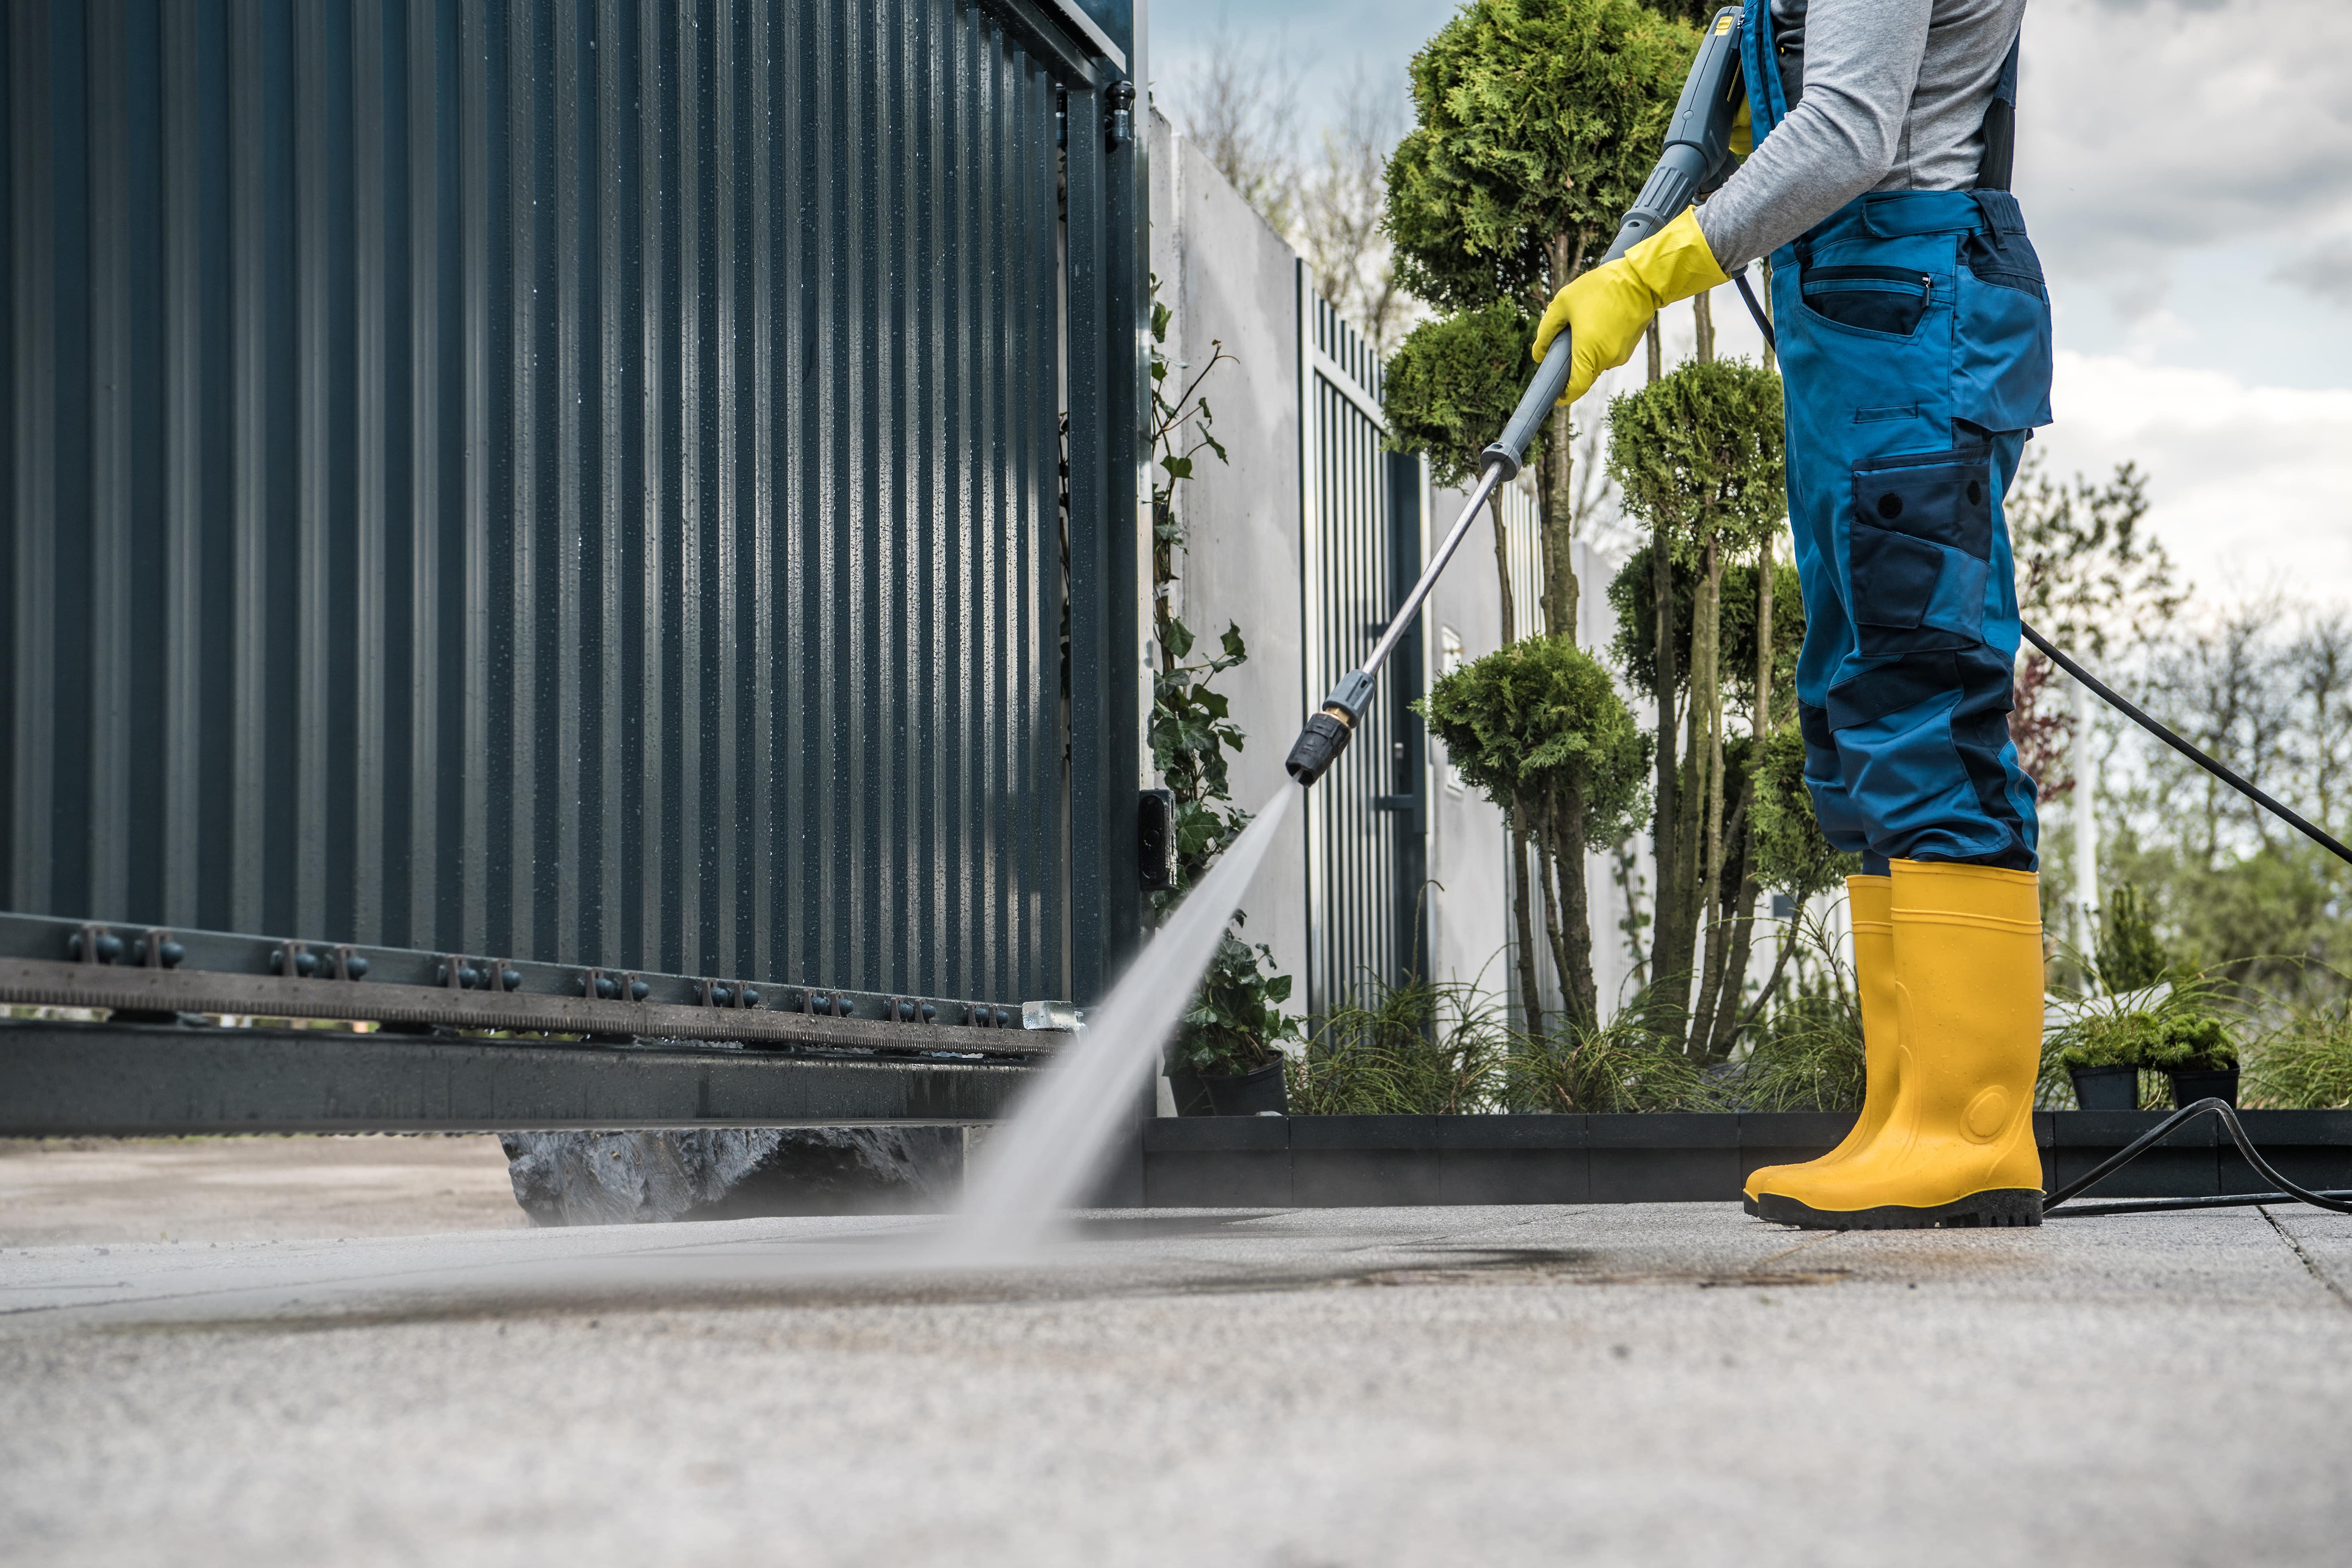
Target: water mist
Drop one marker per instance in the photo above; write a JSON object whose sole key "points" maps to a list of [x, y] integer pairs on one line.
{"points": [[1043, 1159]]}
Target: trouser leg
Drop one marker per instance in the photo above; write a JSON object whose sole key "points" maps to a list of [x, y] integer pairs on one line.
{"points": [[1910, 639]]}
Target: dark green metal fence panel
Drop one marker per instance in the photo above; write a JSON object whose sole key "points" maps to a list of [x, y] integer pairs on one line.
{"points": [[1366, 822], [576, 480]]}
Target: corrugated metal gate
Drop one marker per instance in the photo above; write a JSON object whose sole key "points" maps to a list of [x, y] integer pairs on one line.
{"points": [[1366, 820], [576, 481]]}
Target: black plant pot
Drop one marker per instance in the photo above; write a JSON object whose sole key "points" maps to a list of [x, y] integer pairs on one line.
{"points": [[1191, 1094], [2106, 1088], [2189, 1087], [1246, 1094]]}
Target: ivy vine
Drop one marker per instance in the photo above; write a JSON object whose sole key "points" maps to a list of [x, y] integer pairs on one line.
{"points": [[1235, 1022]]}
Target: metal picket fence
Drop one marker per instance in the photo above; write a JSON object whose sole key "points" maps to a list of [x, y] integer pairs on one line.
{"points": [[1367, 821]]}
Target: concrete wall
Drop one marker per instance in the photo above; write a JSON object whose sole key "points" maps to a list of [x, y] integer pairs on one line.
{"points": [[1226, 277]]}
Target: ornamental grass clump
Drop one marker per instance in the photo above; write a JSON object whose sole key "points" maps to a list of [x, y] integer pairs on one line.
{"points": [[1805, 1051], [2304, 1062], [1806, 1054], [1621, 1066], [1421, 1048]]}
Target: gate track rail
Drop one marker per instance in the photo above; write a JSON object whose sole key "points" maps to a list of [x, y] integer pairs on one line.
{"points": [[73, 1080], [41, 983]]}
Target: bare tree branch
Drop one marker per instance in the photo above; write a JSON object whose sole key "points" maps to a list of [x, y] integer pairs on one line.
{"points": [[1340, 201], [1240, 105]]}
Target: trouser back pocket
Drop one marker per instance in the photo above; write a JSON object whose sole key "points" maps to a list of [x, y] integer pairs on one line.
{"points": [[1920, 549]]}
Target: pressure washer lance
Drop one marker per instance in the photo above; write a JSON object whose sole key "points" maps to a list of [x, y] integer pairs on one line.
{"points": [[1697, 158]]}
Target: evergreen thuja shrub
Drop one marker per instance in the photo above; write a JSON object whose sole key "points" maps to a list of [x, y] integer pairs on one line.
{"points": [[1634, 648], [1791, 855], [2123, 1040], [2195, 1042], [1539, 728], [1536, 122], [2180, 1032], [1701, 453], [2130, 956], [1699, 456], [1542, 715], [1452, 384]]}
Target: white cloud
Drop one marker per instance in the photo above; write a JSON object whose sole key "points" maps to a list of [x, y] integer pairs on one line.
{"points": [[2148, 127], [2323, 267], [2250, 487]]}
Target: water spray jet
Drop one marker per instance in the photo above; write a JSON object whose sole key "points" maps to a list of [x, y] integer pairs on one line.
{"points": [[1042, 1162]]}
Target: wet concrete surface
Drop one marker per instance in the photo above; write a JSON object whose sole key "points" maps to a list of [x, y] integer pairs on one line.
{"points": [[1671, 1384]]}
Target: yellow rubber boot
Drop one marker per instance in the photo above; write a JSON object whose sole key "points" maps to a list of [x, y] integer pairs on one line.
{"points": [[1870, 908], [1957, 1148]]}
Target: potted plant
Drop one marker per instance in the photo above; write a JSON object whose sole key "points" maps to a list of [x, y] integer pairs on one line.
{"points": [[2103, 1055], [2195, 1051], [1226, 1059]]}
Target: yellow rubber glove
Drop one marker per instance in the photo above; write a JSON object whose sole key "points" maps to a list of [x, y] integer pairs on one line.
{"points": [[1610, 307]]}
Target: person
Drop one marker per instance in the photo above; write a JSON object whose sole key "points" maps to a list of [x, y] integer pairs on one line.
{"points": [[1913, 332]]}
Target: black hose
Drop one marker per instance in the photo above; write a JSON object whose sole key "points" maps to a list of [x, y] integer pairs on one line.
{"points": [[2331, 1201], [1763, 323], [2243, 786]]}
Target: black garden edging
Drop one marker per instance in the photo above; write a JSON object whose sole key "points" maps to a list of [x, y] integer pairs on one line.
{"points": [[1342, 1161]]}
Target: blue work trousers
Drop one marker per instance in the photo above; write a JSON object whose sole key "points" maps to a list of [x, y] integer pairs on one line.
{"points": [[1913, 337]]}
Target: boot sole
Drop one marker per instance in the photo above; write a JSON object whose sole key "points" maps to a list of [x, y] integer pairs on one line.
{"points": [[2005, 1206]]}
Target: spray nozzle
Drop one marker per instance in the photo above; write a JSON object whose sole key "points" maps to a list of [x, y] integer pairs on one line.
{"points": [[1328, 733]]}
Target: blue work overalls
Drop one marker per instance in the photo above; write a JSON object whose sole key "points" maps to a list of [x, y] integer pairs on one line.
{"points": [[1913, 340]]}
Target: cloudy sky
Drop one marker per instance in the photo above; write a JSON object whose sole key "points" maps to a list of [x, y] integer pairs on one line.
{"points": [[2187, 169]]}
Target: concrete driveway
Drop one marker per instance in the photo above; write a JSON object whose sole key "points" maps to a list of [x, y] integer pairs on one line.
{"points": [[1668, 1384], [56, 1191]]}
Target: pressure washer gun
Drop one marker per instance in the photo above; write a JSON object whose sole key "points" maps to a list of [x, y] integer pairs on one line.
{"points": [[1697, 158]]}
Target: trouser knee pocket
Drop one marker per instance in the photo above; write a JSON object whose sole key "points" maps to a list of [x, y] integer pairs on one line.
{"points": [[1921, 546]]}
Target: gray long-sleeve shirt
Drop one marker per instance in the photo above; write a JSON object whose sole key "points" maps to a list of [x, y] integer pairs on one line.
{"points": [[1894, 97]]}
